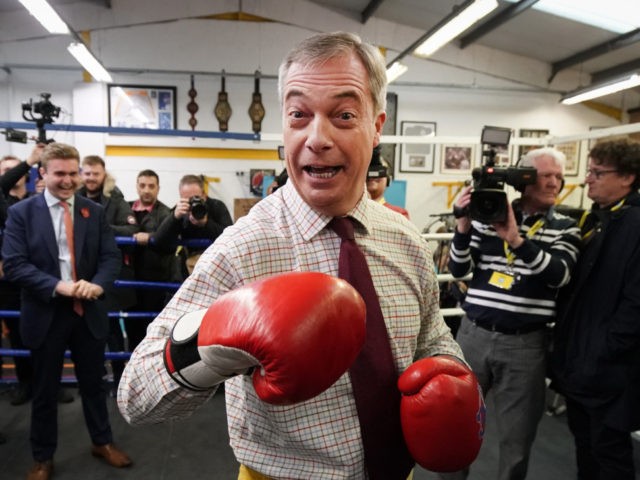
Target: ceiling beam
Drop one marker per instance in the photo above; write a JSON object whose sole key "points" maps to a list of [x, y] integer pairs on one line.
{"points": [[615, 71], [370, 9], [495, 21], [620, 41]]}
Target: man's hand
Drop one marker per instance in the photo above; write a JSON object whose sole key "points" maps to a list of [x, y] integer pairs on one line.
{"points": [[182, 208], [142, 238], [87, 291], [198, 222], [66, 289], [508, 230], [36, 153], [463, 224]]}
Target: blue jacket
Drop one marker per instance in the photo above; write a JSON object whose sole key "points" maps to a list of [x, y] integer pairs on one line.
{"points": [[30, 255]]}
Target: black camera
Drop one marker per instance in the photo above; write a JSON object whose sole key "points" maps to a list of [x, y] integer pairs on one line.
{"points": [[197, 207], [489, 201], [47, 110], [41, 112]]}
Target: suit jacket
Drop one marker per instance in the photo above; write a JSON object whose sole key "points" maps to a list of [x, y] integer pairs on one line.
{"points": [[30, 253]]}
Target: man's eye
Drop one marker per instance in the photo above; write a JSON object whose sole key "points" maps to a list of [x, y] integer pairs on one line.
{"points": [[346, 116]]}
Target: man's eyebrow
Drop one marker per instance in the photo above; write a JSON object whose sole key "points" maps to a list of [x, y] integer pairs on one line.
{"points": [[346, 94]]}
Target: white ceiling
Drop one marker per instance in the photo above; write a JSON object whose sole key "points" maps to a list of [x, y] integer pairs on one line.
{"points": [[532, 35]]}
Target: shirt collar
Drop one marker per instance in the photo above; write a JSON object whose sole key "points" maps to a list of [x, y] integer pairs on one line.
{"points": [[139, 207], [311, 222], [51, 200]]}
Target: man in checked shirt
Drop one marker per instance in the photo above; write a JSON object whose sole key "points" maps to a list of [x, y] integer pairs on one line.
{"points": [[332, 88]]}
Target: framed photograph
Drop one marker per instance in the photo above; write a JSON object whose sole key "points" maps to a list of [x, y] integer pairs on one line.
{"points": [[457, 158], [256, 178], [572, 151], [137, 106], [417, 157], [527, 133], [388, 150]]}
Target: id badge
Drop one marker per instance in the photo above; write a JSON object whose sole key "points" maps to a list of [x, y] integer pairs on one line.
{"points": [[501, 280]]}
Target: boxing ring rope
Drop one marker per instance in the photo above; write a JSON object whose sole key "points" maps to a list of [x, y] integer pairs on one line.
{"points": [[8, 352]]}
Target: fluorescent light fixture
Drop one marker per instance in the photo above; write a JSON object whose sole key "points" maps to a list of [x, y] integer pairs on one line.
{"points": [[46, 15], [461, 21], [595, 91], [395, 70], [620, 16], [89, 62]]}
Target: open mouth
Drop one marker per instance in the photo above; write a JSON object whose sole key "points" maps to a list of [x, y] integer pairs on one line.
{"points": [[322, 172]]}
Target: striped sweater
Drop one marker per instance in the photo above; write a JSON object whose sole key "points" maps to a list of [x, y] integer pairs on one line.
{"points": [[542, 265]]}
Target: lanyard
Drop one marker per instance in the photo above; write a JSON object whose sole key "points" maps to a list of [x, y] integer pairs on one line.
{"points": [[583, 219], [532, 231]]}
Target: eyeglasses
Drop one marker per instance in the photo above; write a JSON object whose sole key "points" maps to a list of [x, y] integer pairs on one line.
{"points": [[599, 173]]}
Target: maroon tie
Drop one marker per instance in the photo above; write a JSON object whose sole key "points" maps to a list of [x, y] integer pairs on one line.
{"points": [[373, 374]]}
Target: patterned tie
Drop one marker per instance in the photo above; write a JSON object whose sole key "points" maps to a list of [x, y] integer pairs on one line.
{"points": [[373, 374], [68, 228]]}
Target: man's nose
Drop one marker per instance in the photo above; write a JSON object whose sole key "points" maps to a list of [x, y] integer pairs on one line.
{"points": [[319, 135]]}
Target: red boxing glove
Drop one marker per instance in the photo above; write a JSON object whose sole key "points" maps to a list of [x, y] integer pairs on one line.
{"points": [[442, 413], [300, 332]]}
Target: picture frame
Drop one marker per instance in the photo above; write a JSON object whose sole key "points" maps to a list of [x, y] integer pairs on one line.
{"points": [[388, 150], [139, 106], [256, 180], [417, 157], [457, 158], [530, 133], [571, 150]]}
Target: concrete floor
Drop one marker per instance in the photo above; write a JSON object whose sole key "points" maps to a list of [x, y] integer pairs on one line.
{"points": [[198, 447]]}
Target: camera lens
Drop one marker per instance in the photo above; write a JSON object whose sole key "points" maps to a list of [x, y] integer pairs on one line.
{"points": [[197, 207]]}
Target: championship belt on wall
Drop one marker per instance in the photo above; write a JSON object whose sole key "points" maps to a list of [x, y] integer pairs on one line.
{"points": [[222, 109], [192, 106], [256, 109]]}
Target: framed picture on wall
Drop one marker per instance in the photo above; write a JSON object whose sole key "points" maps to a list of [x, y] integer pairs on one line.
{"points": [[137, 106], [457, 158], [388, 150], [572, 151], [528, 133], [417, 157]]}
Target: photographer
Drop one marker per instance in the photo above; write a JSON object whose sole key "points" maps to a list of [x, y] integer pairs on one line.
{"points": [[518, 266], [195, 216]]}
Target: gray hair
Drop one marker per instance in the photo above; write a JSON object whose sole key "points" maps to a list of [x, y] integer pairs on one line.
{"points": [[529, 159], [322, 47]]}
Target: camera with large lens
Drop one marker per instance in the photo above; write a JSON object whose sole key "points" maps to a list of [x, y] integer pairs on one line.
{"points": [[197, 207], [489, 203]]}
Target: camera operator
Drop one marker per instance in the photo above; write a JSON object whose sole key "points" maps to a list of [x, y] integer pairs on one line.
{"points": [[195, 216], [518, 266]]}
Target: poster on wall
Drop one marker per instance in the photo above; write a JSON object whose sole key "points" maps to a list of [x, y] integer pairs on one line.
{"points": [[529, 133], [136, 106], [256, 180], [457, 159], [571, 150], [388, 150], [417, 157]]}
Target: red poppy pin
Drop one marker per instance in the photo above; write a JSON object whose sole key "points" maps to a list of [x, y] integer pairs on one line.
{"points": [[84, 212]]}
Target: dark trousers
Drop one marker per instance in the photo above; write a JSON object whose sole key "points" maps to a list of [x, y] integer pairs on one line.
{"points": [[24, 368], [602, 453], [87, 353]]}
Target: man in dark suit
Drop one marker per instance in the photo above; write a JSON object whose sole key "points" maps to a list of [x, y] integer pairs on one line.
{"points": [[63, 277]]}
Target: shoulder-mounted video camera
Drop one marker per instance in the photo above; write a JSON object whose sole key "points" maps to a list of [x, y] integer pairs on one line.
{"points": [[489, 201]]}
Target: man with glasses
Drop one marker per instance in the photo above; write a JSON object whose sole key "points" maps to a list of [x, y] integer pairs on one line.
{"points": [[596, 357]]}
